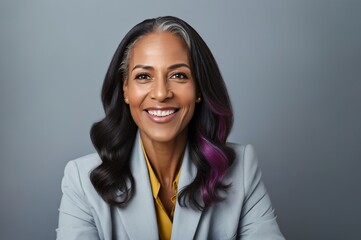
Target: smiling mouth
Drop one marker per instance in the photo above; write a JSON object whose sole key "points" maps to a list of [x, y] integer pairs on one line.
{"points": [[161, 113]]}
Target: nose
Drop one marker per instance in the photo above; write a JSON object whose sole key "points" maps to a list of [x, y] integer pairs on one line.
{"points": [[160, 90]]}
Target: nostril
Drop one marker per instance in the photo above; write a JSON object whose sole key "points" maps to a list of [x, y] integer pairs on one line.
{"points": [[161, 92]]}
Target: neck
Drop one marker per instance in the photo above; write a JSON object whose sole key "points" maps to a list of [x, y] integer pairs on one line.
{"points": [[165, 157]]}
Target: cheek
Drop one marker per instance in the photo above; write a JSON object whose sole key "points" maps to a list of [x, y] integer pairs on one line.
{"points": [[135, 98], [136, 95], [188, 93], [135, 114], [188, 101]]}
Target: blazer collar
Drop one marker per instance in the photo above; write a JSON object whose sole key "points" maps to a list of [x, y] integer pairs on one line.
{"points": [[139, 217], [186, 219]]}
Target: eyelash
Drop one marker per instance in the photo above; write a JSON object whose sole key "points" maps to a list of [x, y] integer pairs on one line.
{"points": [[181, 75], [146, 76], [142, 76]]}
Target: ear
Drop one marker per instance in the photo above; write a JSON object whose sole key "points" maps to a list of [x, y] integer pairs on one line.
{"points": [[125, 88], [125, 85]]}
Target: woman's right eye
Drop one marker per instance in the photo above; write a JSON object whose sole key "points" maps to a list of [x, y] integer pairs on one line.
{"points": [[142, 76]]}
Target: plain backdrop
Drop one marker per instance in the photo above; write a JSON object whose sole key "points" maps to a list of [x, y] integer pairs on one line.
{"points": [[293, 70]]}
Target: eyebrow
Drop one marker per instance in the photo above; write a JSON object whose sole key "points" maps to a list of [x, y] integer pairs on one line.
{"points": [[172, 67]]}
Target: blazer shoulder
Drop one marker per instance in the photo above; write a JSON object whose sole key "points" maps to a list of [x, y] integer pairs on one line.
{"points": [[78, 170], [257, 216], [246, 162], [85, 163], [244, 152]]}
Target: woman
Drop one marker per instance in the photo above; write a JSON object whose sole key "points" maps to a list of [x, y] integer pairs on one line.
{"points": [[163, 168]]}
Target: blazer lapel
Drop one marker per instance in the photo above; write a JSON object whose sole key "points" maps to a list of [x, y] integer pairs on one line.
{"points": [[139, 217], [186, 219]]}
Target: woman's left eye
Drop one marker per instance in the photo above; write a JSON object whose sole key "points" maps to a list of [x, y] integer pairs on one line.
{"points": [[179, 76]]}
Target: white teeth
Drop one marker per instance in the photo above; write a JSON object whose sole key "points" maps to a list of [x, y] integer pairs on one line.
{"points": [[160, 113]]}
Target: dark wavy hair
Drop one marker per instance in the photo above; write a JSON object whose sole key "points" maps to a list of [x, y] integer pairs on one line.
{"points": [[114, 136]]}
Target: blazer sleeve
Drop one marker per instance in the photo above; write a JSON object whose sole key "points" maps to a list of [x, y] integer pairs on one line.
{"points": [[75, 217], [258, 219]]}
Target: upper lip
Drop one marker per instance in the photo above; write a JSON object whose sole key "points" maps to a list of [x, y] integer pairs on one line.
{"points": [[160, 108], [161, 111]]}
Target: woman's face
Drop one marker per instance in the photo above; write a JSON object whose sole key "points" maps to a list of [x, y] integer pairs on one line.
{"points": [[160, 87]]}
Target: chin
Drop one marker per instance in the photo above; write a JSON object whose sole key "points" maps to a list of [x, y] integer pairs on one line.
{"points": [[163, 136]]}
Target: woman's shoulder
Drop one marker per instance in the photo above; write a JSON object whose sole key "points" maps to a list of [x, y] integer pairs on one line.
{"points": [[84, 164], [77, 171], [243, 151], [245, 162]]}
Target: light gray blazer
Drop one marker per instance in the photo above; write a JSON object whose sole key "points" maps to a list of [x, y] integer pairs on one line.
{"points": [[245, 214]]}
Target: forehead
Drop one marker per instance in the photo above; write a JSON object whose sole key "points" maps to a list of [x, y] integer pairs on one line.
{"points": [[159, 47]]}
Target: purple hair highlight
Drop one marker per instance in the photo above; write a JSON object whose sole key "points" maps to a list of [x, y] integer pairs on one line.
{"points": [[223, 117], [218, 162]]}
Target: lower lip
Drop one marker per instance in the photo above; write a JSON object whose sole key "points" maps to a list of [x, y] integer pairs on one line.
{"points": [[164, 119]]}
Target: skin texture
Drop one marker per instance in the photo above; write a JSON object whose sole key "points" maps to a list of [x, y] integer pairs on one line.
{"points": [[160, 78]]}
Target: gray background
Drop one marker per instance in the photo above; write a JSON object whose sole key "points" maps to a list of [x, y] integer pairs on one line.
{"points": [[293, 69]]}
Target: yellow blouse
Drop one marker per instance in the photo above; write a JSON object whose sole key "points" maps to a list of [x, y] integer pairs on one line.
{"points": [[164, 222]]}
